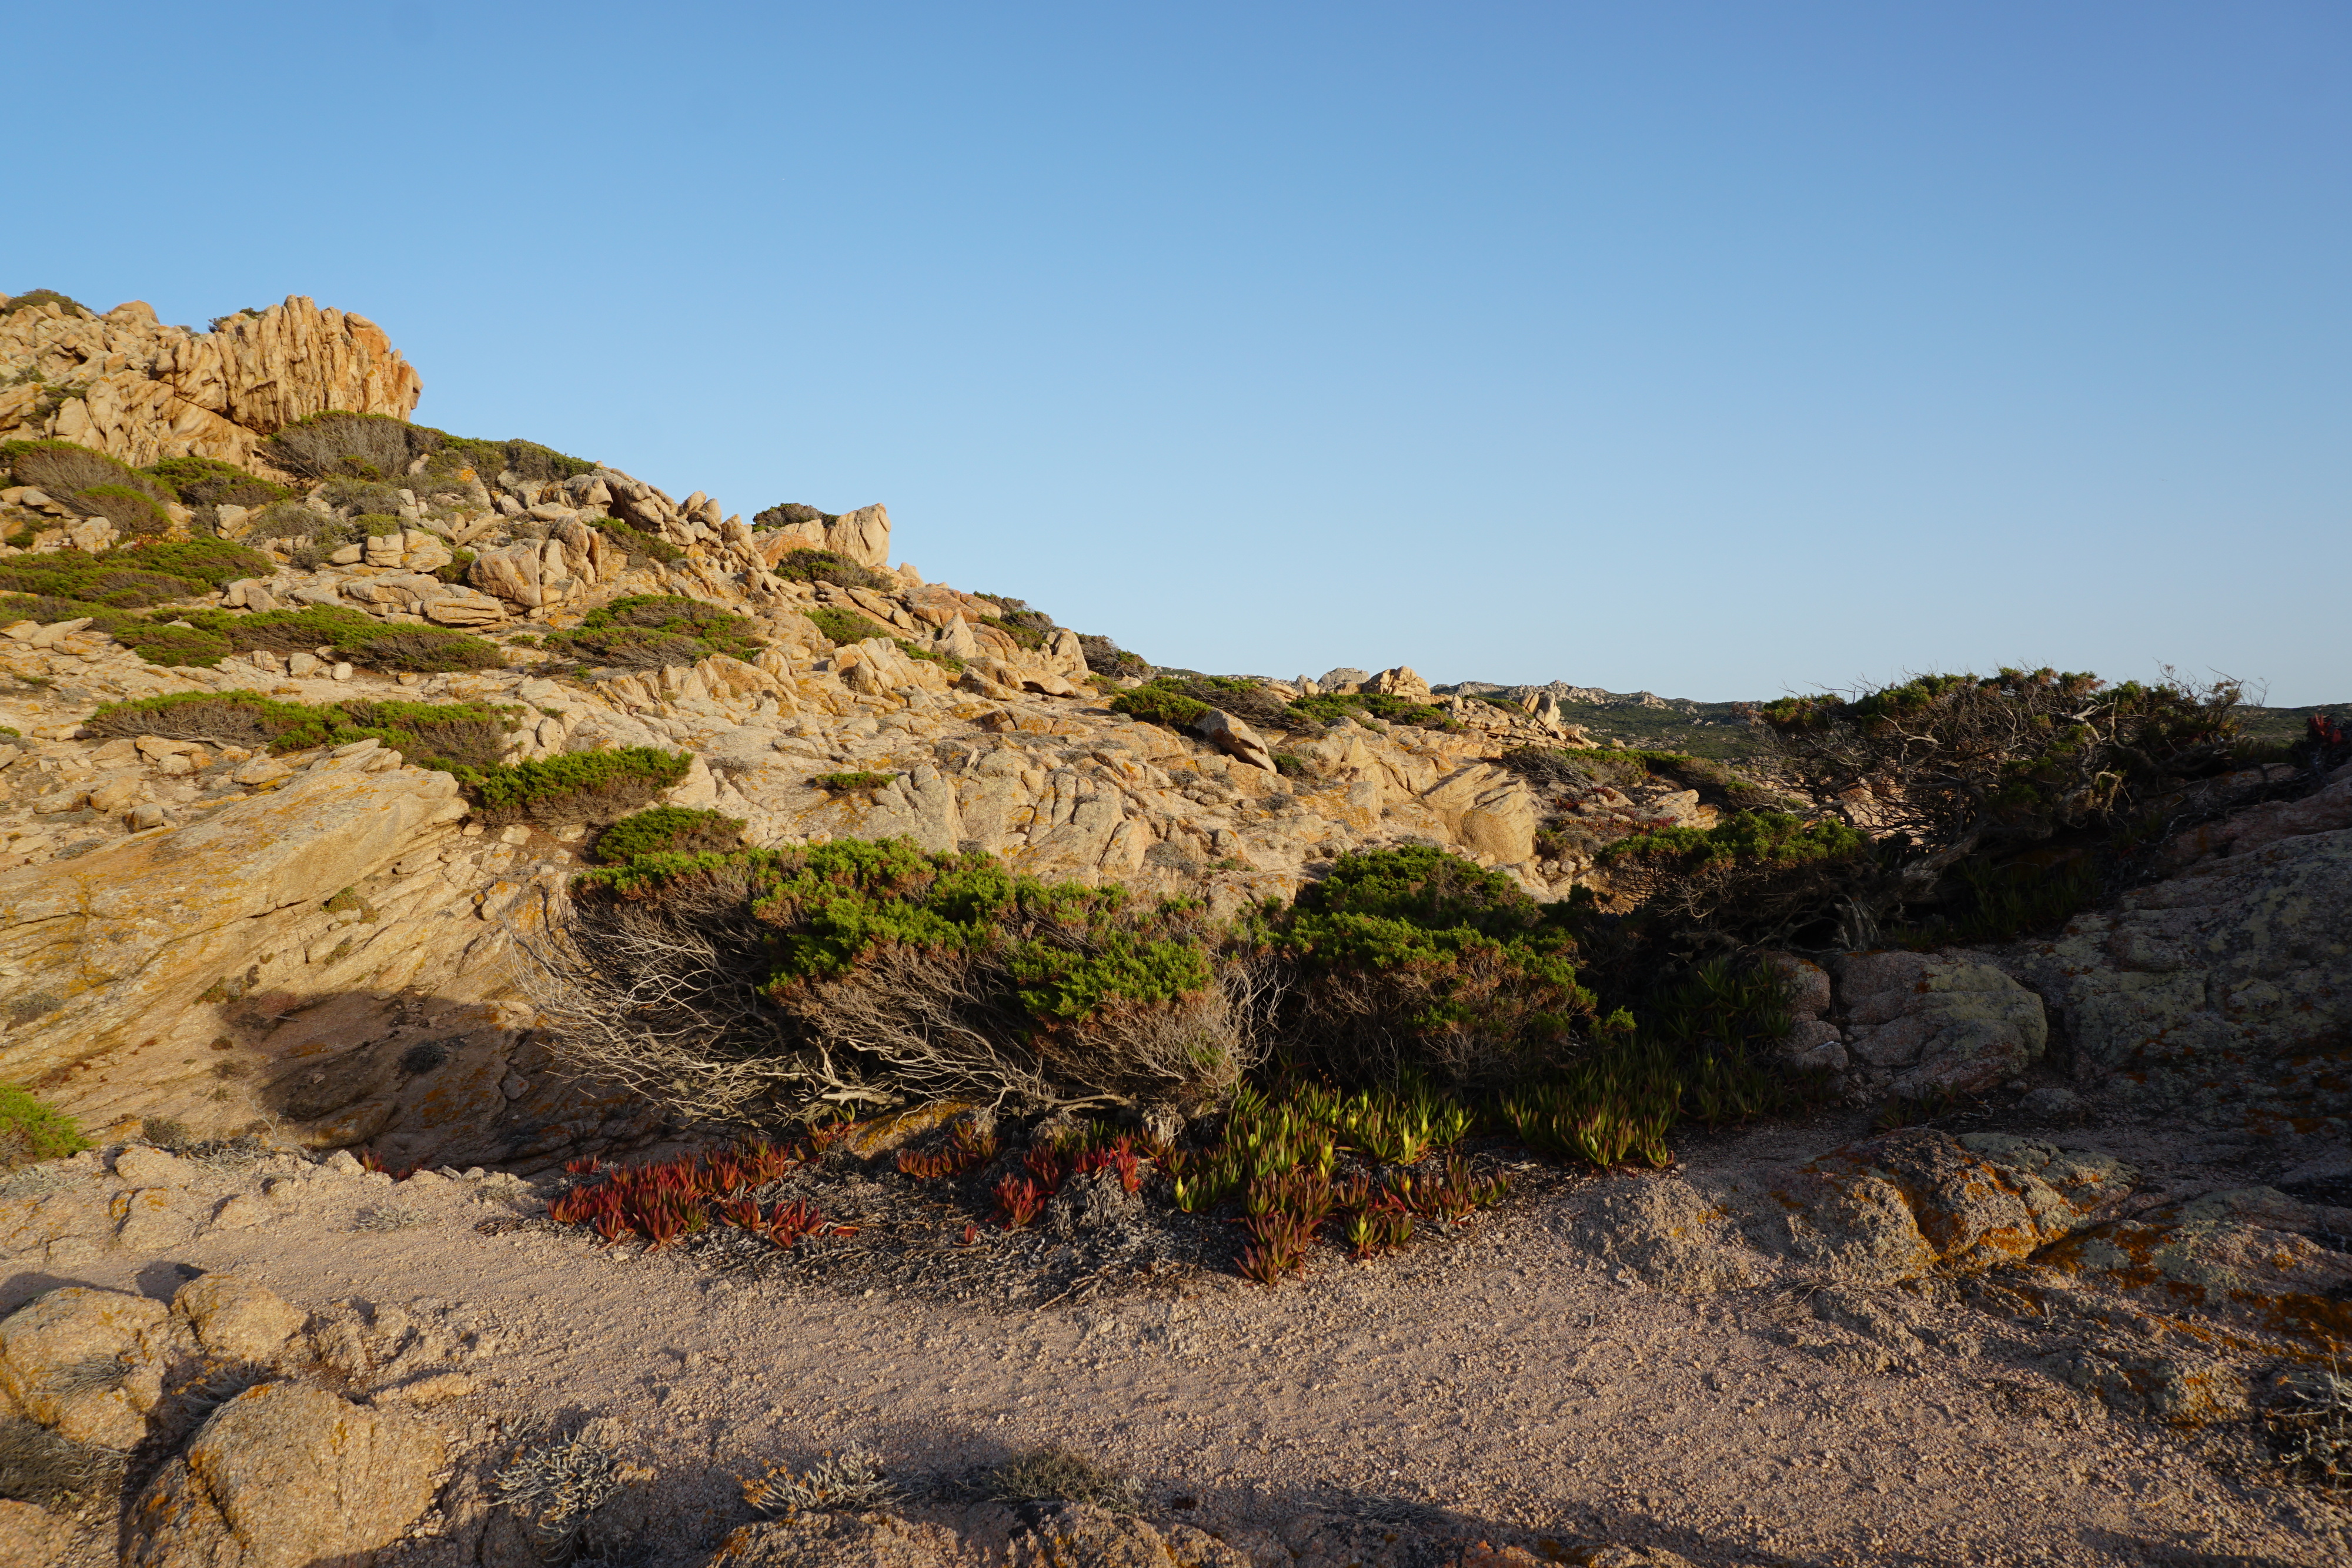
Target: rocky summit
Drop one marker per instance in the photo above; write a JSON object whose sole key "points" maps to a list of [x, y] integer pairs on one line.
{"points": [[495, 972]]}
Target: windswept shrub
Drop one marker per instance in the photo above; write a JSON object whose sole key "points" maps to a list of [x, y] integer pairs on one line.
{"points": [[669, 831], [843, 627], [789, 513], [452, 736], [638, 545], [209, 482], [755, 984], [824, 566], [1161, 704], [211, 635], [337, 443], [75, 475], [133, 576], [647, 630], [1941, 769], [1177, 699], [34, 298], [578, 787], [1105, 657], [1033, 629], [1330, 707], [1417, 960]]}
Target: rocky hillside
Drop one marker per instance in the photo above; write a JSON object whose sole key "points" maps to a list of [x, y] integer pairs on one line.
{"points": [[318, 937]]}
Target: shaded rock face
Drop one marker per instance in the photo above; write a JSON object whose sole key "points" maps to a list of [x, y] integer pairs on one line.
{"points": [[144, 391], [2223, 994], [1933, 1023]]}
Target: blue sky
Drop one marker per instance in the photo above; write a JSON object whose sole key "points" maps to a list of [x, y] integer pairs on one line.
{"points": [[1721, 349]]}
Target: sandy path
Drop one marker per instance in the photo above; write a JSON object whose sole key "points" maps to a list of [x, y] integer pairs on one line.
{"points": [[1500, 1378]]}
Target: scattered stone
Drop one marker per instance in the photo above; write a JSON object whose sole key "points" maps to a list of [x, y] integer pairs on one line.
{"points": [[236, 1318]]}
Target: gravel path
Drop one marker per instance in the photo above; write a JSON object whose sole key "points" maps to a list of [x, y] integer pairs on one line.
{"points": [[1498, 1379]]}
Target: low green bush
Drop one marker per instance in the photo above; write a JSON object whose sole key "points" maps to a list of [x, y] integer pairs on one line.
{"points": [[1329, 708], [1417, 960], [452, 737], [895, 972], [789, 513], [133, 576], [638, 545], [1105, 657], [648, 631], [1033, 629], [133, 511], [843, 627], [577, 787], [91, 482], [211, 635], [30, 1131], [1156, 703], [337, 444], [668, 831], [842, 781], [824, 566], [32, 298], [209, 482], [1754, 837], [934, 655]]}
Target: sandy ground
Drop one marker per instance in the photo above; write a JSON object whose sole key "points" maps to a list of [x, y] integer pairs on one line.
{"points": [[1499, 1378]]}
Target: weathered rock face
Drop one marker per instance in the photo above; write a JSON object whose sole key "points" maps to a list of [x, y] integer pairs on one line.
{"points": [[286, 1476], [2220, 994], [1933, 1023], [66, 1361], [141, 391]]}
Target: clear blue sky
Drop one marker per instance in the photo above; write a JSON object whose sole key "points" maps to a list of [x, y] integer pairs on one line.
{"points": [[1721, 349]]}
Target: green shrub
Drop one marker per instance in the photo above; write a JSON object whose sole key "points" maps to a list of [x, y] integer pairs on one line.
{"points": [[211, 635], [1330, 708], [1160, 702], [133, 511], [1105, 657], [839, 782], [824, 566], [1033, 629], [636, 543], [336, 444], [30, 1131], [293, 520], [577, 787], [1755, 838], [789, 513], [461, 562], [209, 482], [648, 631], [91, 483], [34, 297], [133, 576], [668, 831], [452, 737], [895, 972], [1416, 960], [954, 662], [842, 627]]}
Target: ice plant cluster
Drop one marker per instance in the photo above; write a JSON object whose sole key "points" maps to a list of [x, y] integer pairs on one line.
{"points": [[968, 1149], [666, 1199], [1022, 1198]]}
